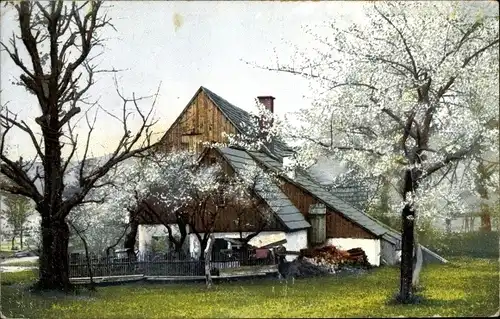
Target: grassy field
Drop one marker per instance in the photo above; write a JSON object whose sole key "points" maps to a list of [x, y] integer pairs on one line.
{"points": [[25, 263], [465, 287]]}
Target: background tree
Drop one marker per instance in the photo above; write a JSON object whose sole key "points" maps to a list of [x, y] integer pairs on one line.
{"points": [[405, 93], [154, 188], [60, 39], [16, 210]]}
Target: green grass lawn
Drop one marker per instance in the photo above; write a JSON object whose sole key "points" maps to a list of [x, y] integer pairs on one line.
{"points": [[26, 263], [465, 287]]}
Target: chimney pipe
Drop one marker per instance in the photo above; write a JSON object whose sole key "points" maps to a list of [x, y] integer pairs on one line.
{"points": [[268, 102]]}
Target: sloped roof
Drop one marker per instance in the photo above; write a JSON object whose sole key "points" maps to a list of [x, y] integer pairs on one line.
{"points": [[241, 118], [366, 221], [234, 114], [279, 203], [316, 189]]}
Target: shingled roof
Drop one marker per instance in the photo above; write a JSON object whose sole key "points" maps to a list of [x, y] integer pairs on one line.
{"points": [[234, 114], [241, 118], [277, 201], [304, 181]]}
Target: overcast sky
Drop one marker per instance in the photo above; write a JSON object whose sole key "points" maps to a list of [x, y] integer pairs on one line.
{"points": [[207, 47]]}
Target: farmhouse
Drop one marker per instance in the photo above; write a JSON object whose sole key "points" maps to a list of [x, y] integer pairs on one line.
{"points": [[304, 212]]}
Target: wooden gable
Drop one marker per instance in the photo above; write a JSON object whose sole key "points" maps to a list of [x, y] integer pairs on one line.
{"points": [[201, 121]]}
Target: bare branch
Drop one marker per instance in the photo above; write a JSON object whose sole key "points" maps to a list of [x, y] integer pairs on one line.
{"points": [[25, 128]]}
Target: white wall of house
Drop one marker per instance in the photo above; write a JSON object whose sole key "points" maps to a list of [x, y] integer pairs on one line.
{"points": [[371, 247], [295, 241], [146, 233]]}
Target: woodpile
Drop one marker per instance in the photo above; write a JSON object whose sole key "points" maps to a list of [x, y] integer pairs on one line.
{"points": [[320, 261]]}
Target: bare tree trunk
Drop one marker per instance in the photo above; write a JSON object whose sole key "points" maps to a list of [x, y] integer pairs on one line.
{"points": [[485, 219], [54, 265], [208, 258], [13, 243], [130, 240], [448, 225], [108, 249], [178, 244], [407, 238], [483, 175], [203, 243], [21, 238]]}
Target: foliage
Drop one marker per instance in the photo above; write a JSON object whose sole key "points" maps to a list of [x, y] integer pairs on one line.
{"points": [[100, 226], [480, 244], [397, 96], [447, 294], [159, 244], [179, 187], [259, 132], [168, 187], [16, 210], [404, 95]]}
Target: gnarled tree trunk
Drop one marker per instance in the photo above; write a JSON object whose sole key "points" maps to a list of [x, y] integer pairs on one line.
{"points": [[21, 238], [130, 240], [54, 264]]}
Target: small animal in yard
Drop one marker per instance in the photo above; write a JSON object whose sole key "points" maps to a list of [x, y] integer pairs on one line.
{"points": [[286, 269]]}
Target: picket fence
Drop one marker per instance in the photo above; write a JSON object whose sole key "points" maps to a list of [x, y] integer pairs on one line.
{"points": [[171, 264]]}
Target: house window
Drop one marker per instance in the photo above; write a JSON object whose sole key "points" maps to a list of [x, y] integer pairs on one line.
{"points": [[212, 160]]}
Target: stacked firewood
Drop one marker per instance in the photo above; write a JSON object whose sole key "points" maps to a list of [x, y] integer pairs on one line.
{"points": [[333, 256]]}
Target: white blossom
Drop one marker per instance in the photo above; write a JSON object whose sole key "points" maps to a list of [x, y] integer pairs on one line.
{"points": [[432, 65]]}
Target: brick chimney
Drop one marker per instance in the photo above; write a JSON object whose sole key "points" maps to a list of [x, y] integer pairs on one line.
{"points": [[268, 102]]}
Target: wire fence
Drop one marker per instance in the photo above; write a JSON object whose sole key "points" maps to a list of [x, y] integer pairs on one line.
{"points": [[167, 264]]}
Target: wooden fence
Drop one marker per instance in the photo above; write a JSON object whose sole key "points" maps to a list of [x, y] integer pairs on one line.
{"points": [[173, 265]]}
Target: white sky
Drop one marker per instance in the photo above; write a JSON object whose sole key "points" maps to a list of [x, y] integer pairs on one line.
{"points": [[209, 49]]}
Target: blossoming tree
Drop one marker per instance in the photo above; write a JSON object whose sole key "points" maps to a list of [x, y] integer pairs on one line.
{"points": [[405, 95], [156, 187]]}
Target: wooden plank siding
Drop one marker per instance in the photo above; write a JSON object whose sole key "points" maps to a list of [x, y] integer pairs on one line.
{"points": [[201, 121], [225, 221], [337, 226]]}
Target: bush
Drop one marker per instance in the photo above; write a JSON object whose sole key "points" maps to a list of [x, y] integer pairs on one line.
{"points": [[473, 244]]}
